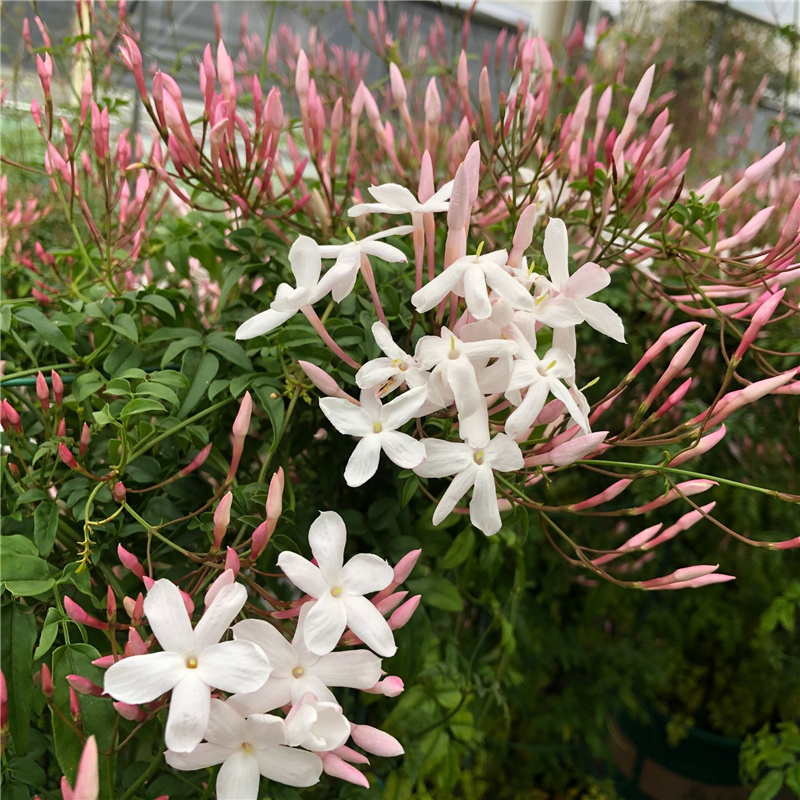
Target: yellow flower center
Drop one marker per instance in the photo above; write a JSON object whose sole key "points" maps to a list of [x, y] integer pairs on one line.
{"points": [[336, 591], [191, 662], [351, 235], [377, 427], [297, 672], [479, 457], [478, 252]]}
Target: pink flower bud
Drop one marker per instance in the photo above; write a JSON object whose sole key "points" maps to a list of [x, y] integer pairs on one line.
{"points": [[58, 387], [324, 382], [334, 766], [523, 235], [375, 741], [129, 711], [569, 452], [755, 391], [485, 97], [135, 646], [349, 755], [232, 562], [258, 541], [84, 686], [674, 399], [227, 578], [685, 489], [703, 446], [761, 317], [301, 79], [399, 92], [86, 436], [74, 708], [197, 461], [388, 603], [404, 566], [119, 491], [222, 518], [610, 493], [47, 682], [77, 614], [44, 66], [678, 362], [241, 425], [275, 498], [129, 561], [403, 614], [65, 454], [9, 418], [111, 603], [390, 686]]}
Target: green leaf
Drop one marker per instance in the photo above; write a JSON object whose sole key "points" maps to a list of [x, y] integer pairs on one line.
{"points": [[176, 348], [24, 575], [170, 377], [87, 384], [229, 350], [49, 633], [768, 786], [206, 372], [437, 592], [46, 328], [158, 390], [460, 550], [409, 488], [19, 637], [159, 302], [45, 524], [125, 326], [27, 771], [141, 405], [792, 778]]}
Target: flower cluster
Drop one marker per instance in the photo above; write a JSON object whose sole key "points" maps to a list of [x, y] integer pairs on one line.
{"points": [[262, 671]]}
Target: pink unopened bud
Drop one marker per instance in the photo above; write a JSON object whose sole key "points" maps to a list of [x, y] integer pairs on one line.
{"points": [[390, 686], [129, 561], [403, 614], [197, 461], [47, 682], [86, 436], [523, 235], [375, 741], [129, 711], [119, 491], [684, 489], [84, 686], [485, 97], [135, 608], [136, 646], [688, 577], [275, 500], [569, 452], [755, 391], [754, 174], [324, 382], [258, 541], [44, 66], [301, 79], [74, 705], [399, 92], [232, 562], [334, 766], [43, 392], [227, 578], [77, 614], [9, 418], [111, 603], [761, 317], [678, 362], [703, 446], [65, 454], [241, 425], [664, 341], [86, 95], [404, 566], [610, 493], [58, 387], [222, 518]]}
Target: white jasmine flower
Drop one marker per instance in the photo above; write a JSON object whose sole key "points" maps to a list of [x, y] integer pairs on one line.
{"points": [[316, 725], [247, 749], [395, 199], [191, 663], [339, 589], [473, 467], [376, 425], [396, 369], [296, 670]]}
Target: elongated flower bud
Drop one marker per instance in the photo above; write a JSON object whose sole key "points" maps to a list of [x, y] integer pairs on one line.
{"points": [[129, 711], [65, 454], [84, 686], [258, 541], [58, 387], [86, 436], [232, 562], [663, 342], [703, 446], [676, 365], [77, 614], [47, 682], [398, 84], [274, 501], [324, 382], [334, 766], [9, 418], [759, 319], [197, 461], [241, 426], [684, 489], [390, 686], [610, 493], [375, 741], [402, 615], [222, 518], [754, 174]]}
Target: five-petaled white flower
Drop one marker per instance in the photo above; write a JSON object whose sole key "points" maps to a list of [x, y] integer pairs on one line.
{"points": [[296, 670], [340, 279], [191, 663], [306, 263], [247, 749], [376, 425], [560, 298], [471, 277], [473, 467], [395, 199], [393, 370], [339, 589]]}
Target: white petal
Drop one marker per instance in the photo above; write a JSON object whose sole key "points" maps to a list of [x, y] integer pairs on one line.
{"points": [[392, 194], [603, 319], [365, 573], [331, 730], [219, 615], [587, 280], [360, 209], [264, 730], [368, 624], [302, 573], [385, 251], [226, 725], [455, 491], [526, 412], [483, 510], [276, 692], [503, 454], [327, 536], [434, 292], [203, 756], [562, 393], [376, 373], [345, 417], [564, 339], [325, 624], [168, 617], [443, 458], [188, 713], [237, 666], [384, 340], [239, 777], [142, 679], [558, 312], [476, 293], [402, 449], [281, 654], [400, 230], [443, 195], [357, 669], [304, 258], [556, 251], [464, 384], [510, 290], [311, 683], [262, 323], [363, 462], [403, 408], [289, 766]]}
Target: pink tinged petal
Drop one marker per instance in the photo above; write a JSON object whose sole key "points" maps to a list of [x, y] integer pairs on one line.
{"points": [[331, 730], [264, 730], [289, 766], [345, 417], [87, 781], [236, 666], [523, 416], [365, 573], [203, 756], [336, 768], [305, 261], [444, 458], [402, 449], [558, 312], [603, 319], [262, 323], [510, 290], [368, 624], [325, 624], [226, 726], [403, 408], [276, 692], [556, 251], [455, 491], [562, 393], [476, 293], [363, 462], [392, 194], [142, 679], [564, 338], [219, 615], [587, 280], [168, 619], [483, 510], [189, 710], [327, 536], [356, 669], [239, 777], [434, 292], [302, 573], [281, 654]]}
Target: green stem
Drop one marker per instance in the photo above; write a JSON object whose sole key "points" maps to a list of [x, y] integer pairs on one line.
{"points": [[155, 763]]}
